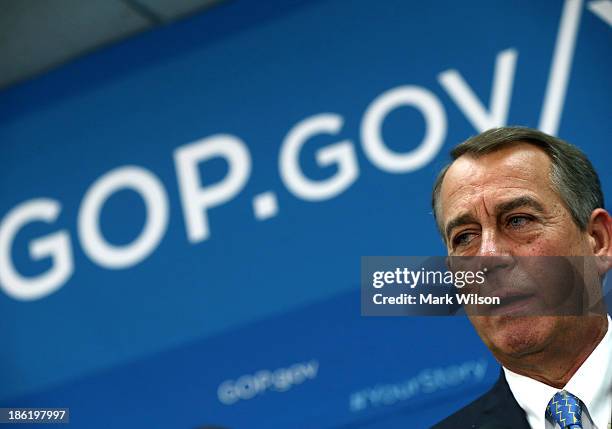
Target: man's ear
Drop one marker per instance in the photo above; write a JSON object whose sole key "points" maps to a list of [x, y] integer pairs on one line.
{"points": [[600, 238]]}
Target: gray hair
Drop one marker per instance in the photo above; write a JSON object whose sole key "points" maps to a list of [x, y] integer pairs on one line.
{"points": [[572, 175]]}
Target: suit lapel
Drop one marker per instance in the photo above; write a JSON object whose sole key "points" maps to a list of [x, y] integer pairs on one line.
{"points": [[501, 410]]}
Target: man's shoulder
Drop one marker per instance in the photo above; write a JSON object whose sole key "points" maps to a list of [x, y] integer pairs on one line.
{"points": [[496, 409], [469, 416]]}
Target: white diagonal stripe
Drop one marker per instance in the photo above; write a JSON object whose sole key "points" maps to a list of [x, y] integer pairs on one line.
{"points": [[560, 69], [603, 9]]}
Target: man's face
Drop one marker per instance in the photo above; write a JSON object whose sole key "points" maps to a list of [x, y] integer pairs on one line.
{"points": [[502, 205]]}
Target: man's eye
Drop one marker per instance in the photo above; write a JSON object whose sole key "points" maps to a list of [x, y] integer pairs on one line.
{"points": [[463, 239], [518, 221]]}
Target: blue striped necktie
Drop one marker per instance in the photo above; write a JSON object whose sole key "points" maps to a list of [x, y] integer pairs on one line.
{"points": [[565, 409]]}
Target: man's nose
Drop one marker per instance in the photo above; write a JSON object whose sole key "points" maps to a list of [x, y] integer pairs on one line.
{"points": [[494, 253]]}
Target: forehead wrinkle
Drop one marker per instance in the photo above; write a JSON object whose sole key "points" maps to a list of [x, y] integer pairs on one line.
{"points": [[484, 205], [475, 181], [469, 214]]}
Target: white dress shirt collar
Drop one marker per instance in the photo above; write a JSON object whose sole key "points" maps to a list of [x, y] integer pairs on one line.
{"points": [[592, 384]]}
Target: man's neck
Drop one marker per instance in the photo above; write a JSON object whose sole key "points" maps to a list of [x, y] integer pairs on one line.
{"points": [[556, 366]]}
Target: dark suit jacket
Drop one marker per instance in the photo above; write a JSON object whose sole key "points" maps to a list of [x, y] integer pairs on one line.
{"points": [[496, 409]]}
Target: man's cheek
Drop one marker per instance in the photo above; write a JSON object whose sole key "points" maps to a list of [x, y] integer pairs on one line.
{"points": [[483, 327]]}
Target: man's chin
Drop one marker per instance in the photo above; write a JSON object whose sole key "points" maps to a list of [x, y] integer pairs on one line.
{"points": [[516, 337]]}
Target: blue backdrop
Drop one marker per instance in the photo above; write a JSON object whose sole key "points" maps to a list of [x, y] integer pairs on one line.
{"points": [[314, 131]]}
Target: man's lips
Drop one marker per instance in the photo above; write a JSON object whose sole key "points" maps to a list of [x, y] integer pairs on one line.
{"points": [[512, 303]]}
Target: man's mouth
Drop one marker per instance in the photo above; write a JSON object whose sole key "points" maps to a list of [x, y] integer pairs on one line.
{"points": [[513, 304]]}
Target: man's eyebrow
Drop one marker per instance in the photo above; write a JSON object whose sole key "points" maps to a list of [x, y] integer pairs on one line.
{"points": [[515, 203], [458, 221], [506, 206]]}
